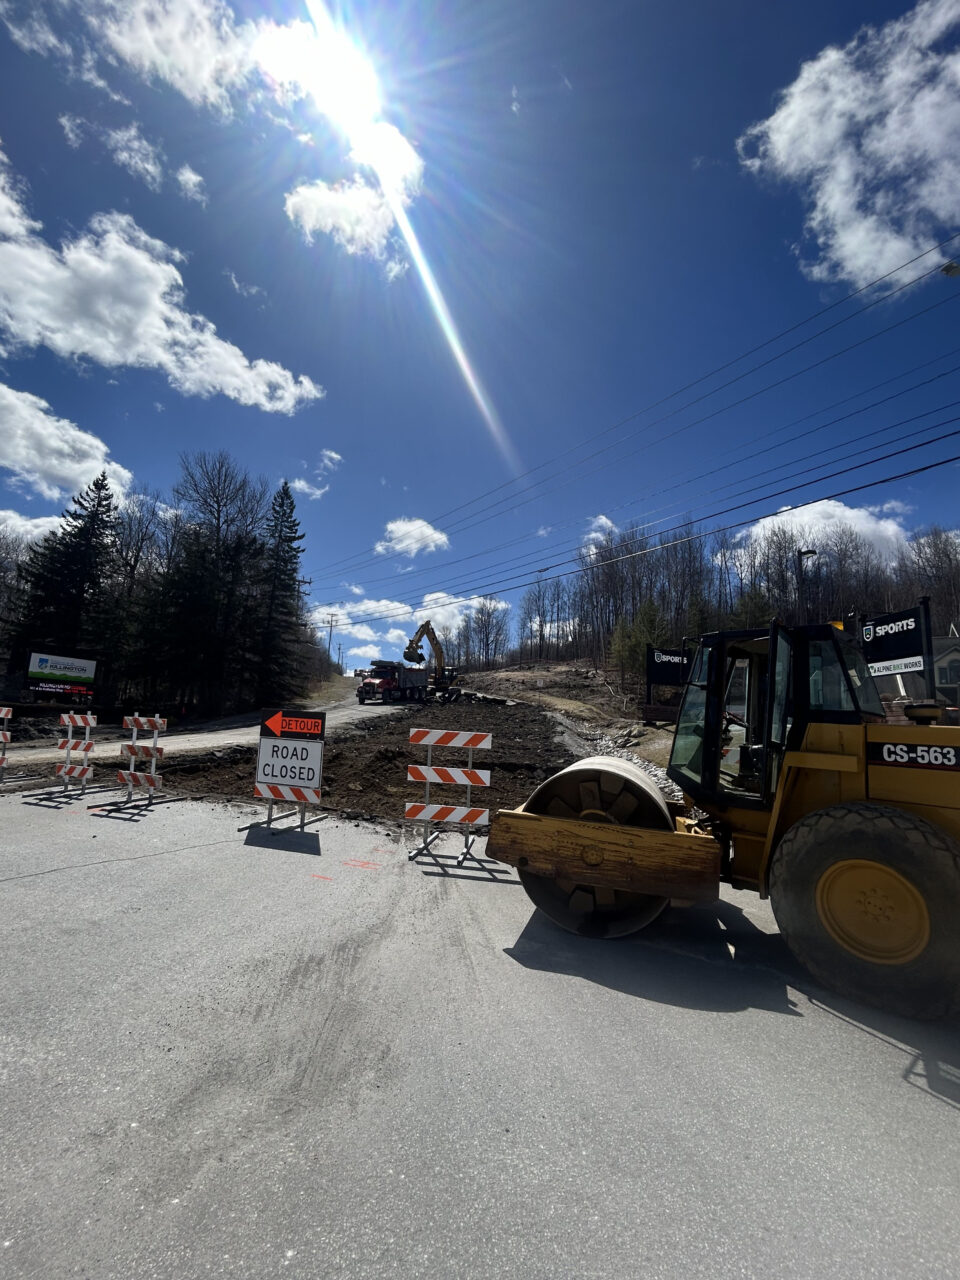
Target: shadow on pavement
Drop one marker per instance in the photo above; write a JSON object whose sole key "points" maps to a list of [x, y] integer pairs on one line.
{"points": [[714, 958], [290, 839]]}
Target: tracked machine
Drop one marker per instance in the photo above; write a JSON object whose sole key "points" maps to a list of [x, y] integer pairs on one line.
{"points": [[796, 789], [444, 683]]}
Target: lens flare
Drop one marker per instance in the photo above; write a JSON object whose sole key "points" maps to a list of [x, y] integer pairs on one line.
{"points": [[344, 87]]}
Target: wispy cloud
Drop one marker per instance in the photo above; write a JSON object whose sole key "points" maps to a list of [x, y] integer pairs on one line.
{"points": [[131, 150], [245, 290], [311, 491], [191, 184], [870, 135]]}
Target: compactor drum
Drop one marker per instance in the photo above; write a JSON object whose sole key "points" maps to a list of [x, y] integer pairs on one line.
{"points": [[802, 793], [598, 789]]}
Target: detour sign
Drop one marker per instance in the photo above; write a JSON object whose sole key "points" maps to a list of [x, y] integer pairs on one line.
{"points": [[306, 726]]}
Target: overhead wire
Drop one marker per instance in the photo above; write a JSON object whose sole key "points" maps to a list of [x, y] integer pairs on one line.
{"points": [[347, 562], [539, 553]]}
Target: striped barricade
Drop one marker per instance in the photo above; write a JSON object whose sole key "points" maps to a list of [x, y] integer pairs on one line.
{"points": [[147, 780], [276, 791], [70, 772], [466, 815], [6, 715]]}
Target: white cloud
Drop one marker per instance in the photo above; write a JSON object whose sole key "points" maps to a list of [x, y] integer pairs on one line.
{"points": [[51, 455], [352, 588], [245, 290], [515, 100], [357, 630], [402, 619], [72, 127], [355, 215], [32, 32], [544, 530], [408, 537], [599, 530], [892, 508], [192, 187], [368, 651], [115, 295], [820, 520], [194, 45], [870, 134], [395, 269], [307, 489], [393, 609], [329, 461], [131, 150], [27, 527]]}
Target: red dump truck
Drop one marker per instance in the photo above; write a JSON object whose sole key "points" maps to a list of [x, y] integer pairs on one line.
{"points": [[392, 682]]}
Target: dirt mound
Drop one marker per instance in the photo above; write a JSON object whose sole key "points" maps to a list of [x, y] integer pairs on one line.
{"points": [[364, 765]]}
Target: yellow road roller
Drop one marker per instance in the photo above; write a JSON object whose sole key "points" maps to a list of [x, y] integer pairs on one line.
{"points": [[794, 787]]}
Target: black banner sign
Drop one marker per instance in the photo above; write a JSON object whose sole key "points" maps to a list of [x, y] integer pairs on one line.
{"points": [[893, 642], [666, 666]]}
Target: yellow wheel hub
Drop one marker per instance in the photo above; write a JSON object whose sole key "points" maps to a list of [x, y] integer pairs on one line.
{"points": [[873, 911]]}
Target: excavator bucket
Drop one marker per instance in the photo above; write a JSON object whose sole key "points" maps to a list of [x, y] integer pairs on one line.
{"points": [[412, 654]]}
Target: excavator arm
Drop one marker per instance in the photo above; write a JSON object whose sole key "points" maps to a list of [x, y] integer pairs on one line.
{"points": [[412, 652]]}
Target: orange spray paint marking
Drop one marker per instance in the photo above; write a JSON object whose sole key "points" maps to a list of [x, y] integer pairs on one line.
{"points": [[314, 876], [367, 866]]}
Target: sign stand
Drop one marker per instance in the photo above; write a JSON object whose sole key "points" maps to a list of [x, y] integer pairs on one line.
{"points": [[134, 750], [68, 770], [6, 715], [465, 815]]}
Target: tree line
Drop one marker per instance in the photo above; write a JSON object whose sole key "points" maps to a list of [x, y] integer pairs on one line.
{"points": [[632, 589], [195, 605]]}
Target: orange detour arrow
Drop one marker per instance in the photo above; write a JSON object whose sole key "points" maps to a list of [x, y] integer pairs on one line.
{"points": [[291, 724]]}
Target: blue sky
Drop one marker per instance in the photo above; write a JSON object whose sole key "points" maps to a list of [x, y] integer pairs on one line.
{"points": [[420, 259]]}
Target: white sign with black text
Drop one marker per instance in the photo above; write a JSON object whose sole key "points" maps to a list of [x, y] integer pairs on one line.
{"points": [[289, 762]]}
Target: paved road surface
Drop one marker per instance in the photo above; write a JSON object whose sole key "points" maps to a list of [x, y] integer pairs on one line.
{"points": [[241, 1055]]}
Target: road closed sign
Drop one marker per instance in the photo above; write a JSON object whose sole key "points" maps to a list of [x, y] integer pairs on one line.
{"points": [[290, 762], [291, 754]]}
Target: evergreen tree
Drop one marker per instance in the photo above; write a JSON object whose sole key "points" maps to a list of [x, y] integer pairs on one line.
{"points": [[280, 666], [69, 581]]}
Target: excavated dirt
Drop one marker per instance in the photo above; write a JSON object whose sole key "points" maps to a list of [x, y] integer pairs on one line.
{"points": [[364, 765]]}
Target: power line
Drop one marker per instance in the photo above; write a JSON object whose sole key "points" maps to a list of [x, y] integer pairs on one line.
{"points": [[547, 576], [347, 562]]}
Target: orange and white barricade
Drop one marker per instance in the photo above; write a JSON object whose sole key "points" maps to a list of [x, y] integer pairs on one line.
{"points": [[133, 751], [71, 771], [467, 814], [6, 715]]}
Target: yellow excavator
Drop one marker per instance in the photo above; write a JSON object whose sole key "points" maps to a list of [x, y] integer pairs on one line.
{"points": [[794, 787], [445, 681]]}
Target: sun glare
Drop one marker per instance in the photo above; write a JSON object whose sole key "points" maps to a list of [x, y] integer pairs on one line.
{"points": [[343, 84]]}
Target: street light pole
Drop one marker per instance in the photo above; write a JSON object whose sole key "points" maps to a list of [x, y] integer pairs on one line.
{"points": [[801, 605]]}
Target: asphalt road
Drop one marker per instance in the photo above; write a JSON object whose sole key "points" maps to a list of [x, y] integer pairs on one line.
{"points": [[239, 1054]]}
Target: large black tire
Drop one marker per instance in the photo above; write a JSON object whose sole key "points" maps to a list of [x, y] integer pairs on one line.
{"points": [[361, 698], [868, 899]]}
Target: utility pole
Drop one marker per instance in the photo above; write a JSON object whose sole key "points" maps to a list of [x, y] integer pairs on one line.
{"points": [[331, 619], [801, 605], [339, 658]]}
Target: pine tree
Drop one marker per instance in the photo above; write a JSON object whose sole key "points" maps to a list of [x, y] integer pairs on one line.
{"points": [[68, 579], [280, 667]]}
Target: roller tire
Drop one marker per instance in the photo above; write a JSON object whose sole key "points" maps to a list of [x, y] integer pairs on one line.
{"points": [[926, 985]]}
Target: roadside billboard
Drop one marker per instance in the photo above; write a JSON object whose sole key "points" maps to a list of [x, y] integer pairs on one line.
{"points": [[53, 673]]}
